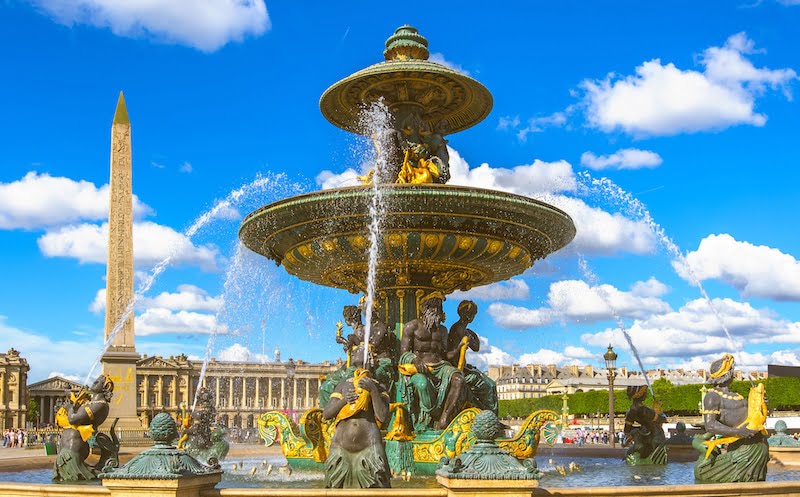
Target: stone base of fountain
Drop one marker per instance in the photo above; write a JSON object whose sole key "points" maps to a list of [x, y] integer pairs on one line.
{"points": [[785, 456]]}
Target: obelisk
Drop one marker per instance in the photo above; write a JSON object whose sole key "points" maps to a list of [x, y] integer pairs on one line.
{"points": [[119, 362]]}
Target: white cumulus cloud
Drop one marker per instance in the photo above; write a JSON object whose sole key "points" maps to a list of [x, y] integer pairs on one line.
{"points": [[754, 270], [239, 353], [626, 158], [45, 354], [530, 179], [575, 301], [661, 99], [39, 201], [328, 179], [151, 244], [513, 289], [440, 59], [650, 288], [518, 318], [206, 25], [157, 321], [695, 330]]}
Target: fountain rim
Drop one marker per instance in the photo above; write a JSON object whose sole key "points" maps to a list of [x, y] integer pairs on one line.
{"points": [[328, 104], [366, 189]]}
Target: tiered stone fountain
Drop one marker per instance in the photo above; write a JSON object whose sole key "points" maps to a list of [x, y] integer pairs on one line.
{"points": [[435, 238]]}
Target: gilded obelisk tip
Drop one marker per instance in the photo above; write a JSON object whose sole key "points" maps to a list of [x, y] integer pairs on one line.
{"points": [[121, 114]]}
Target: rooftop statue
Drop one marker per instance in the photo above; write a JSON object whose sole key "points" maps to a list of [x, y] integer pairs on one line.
{"points": [[739, 423], [644, 435], [80, 418]]}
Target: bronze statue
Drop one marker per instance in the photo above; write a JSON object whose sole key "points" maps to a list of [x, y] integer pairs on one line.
{"points": [[357, 458], [202, 437], [80, 418], [644, 435], [680, 437], [481, 390], [381, 350], [740, 423], [431, 387], [781, 438]]}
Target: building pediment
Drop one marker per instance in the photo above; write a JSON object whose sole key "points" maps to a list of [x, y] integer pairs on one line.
{"points": [[157, 362], [56, 383]]}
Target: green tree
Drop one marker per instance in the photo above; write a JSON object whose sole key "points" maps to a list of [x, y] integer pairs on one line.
{"points": [[33, 409]]}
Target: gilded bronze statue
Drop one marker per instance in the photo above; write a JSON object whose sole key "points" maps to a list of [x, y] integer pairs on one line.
{"points": [[80, 418], [431, 387], [735, 423], [357, 458], [481, 390], [644, 435]]}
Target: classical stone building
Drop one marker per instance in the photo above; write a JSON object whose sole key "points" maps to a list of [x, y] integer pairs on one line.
{"points": [[242, 390], [13, 391], [49, 395], [538, 380]]}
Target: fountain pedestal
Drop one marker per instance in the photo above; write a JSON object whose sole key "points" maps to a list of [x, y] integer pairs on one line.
{"points": [[163, 470], [482, 488], [190, 486]]}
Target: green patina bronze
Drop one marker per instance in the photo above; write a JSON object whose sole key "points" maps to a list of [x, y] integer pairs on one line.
{"points": [[204, 439], [734, 447], [485, 460], [163, 461], [781, 438], [643, 430]]}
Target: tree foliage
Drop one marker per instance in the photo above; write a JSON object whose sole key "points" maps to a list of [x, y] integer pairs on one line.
{"points": [[782, 394]]}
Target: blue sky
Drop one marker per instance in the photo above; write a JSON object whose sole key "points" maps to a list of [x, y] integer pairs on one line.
{"points": [[689, 107]]}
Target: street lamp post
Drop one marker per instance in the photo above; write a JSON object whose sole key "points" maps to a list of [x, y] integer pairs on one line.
{"points": [[611, 365], [290, 369]]}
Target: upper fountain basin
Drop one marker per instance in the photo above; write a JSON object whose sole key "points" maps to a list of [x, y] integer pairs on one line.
{"points": [[437, 236]]}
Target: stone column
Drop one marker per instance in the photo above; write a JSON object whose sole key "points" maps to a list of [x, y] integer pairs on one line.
{"points": [[269, 392], [306, 404], [146, 391], [230, 392], [294, 393], [160, 399], [258, 393], [173, 395], [244, 393], [282, 400], [51, 413]]}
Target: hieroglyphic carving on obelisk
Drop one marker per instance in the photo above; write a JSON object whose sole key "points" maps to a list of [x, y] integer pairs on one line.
{"points": [[120, 361], [119, 271]]}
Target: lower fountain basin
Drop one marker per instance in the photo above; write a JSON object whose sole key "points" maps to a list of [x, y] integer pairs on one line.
{"points": [[440, 237], [601, 476]]}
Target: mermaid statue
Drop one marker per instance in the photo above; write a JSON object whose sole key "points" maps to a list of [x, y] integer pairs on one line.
{"points": [[357, 458], [644, 435], [733, 422], [80, 418]]}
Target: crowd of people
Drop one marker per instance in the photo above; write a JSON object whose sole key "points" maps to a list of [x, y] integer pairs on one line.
{"points": [[593, 436], [15, 438]]}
